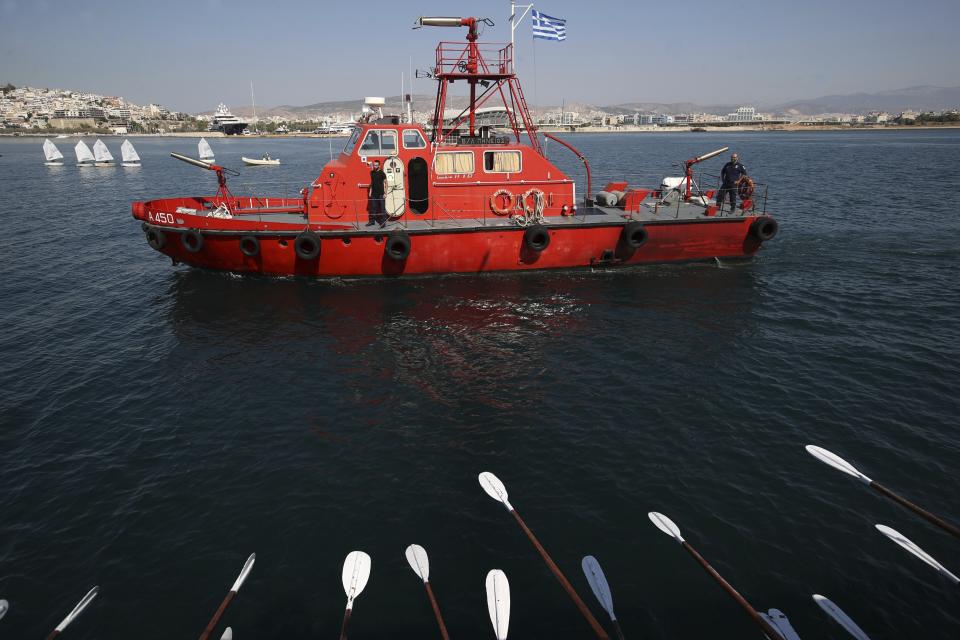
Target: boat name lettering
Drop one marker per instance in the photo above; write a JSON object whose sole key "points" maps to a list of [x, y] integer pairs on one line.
{"points": [[475, 140], [160, 217]]}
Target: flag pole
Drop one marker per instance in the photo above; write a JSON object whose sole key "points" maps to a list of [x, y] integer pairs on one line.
{"points": [[514, 21]]}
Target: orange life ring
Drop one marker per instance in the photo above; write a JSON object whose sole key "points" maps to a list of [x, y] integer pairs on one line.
{"points": [[494, 199], [745, 190], [535, 193]]}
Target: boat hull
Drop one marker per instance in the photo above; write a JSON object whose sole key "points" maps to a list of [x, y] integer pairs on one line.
{"points": [[478, 250], [253, 162]]}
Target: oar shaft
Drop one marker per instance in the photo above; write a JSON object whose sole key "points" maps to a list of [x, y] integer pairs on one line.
{"points": [[770, 631], [216, 617], [436, 612], [923, 513], [616, 627], [346, 621], [53, 634], [597, 629]]}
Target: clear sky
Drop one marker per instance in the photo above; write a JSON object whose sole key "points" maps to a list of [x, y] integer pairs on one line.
{"points": [[191, 55]]}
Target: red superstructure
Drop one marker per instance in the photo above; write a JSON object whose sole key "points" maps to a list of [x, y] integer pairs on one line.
{"points": [[460, 197]]}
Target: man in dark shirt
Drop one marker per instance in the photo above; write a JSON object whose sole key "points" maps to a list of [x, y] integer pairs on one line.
{"points": [[375, 204], [730, 176]]}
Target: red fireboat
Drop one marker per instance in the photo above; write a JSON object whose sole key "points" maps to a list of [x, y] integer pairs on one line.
{"points": [[459, 198]]}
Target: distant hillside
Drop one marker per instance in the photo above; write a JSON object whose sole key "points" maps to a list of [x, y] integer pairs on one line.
{"points": [[924, 98]]}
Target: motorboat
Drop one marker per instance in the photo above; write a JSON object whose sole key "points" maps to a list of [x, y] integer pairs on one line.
{"points": [[264, 161], [460, 197]]}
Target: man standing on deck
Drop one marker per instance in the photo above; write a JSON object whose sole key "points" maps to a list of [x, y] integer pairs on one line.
{"points": [[376, 207], [730, 176]]}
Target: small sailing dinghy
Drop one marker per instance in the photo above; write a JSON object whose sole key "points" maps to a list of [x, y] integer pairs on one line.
{"points": [[102, 155], [84, 155], [265, 161], [206, 152], [129, 154], [52, 154]]}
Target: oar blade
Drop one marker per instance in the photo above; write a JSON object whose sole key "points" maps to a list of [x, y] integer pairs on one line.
{"points": [[666, 525], [4, 607], [227, 634], [356, 573], [835, 461], [778, 622], [911, 547], [498, 602], [598, 584], [419, 562], [77, 610], [840, 617], [247, 567], [494, 488]]}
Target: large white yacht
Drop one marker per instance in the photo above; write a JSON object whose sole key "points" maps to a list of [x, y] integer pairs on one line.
{"points": [[226, 122]]}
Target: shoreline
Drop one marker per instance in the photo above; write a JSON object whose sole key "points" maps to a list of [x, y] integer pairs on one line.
{"points": [[546, 129]]}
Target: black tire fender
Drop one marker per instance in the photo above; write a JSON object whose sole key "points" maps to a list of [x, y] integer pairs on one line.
{"points": [[192, 240], [156, 238], [634, 235], [398, 246], [764, 228], [307, 245], [536, 238], [250, 246]]}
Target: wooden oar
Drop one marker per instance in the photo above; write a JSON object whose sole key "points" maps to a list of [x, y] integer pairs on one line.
{"points": [[667, 525], [420, 563], [911, 547], [498, 602], [247, 566], [838, 463], [601, 589], [840, 617], [496, 490], [356, 572], [77, 610]]}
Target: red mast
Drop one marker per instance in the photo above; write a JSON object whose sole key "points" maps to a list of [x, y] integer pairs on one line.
{"points": [[456, 61]]}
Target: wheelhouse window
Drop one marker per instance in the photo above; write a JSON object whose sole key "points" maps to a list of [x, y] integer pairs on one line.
{"points": [[453, 163], [379, 142], [413, 140], [501, 161], [352, 142]]}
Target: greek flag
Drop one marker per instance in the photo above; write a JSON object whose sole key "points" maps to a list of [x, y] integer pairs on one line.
{"points": [[547, 27]]}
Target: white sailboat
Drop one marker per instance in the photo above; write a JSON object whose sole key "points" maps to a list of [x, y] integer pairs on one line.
{"points": [[52, 154], [84, 155], [129, 154], [206, 153], [102, 155]]}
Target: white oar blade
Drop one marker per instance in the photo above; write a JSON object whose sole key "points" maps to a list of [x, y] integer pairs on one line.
{"points": [[598, 583], [494, 488], [498, 602], [356, 572], [840, 617], [227, 634], [666, 525], [835, 461], [247, 566], [4, 607], [909, 545], [419, 562], [77, 610]]}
